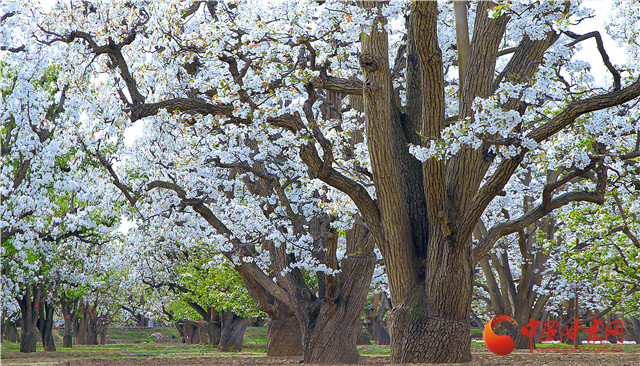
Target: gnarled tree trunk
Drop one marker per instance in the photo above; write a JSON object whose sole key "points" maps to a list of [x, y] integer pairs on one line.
{"points": [[10, 331], [424, 329], [284, 336], [331, 322], [45, 325], [374, 319], [362, 339], [67, 338], [233, 328], [29, 305]]}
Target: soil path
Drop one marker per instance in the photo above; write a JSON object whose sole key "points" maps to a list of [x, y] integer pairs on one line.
{"points": [[479, 359]]}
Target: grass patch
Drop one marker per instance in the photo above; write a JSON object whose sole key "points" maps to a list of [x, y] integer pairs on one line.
{"points": [[141, 334], [255, 336], [374, 351]]}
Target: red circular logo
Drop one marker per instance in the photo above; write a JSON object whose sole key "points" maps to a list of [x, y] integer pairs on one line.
{"points": [[499, 344]]}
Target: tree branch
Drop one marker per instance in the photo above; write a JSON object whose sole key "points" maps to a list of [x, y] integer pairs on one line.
{"points": [[511, 226], [605, 57]]}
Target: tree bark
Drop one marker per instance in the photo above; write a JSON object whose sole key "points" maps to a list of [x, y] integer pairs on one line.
{"points": [[80, 326], [213, 327], [375, 319], [331, 323], [284, 337], [632, 328], [45, 325], [362, 339], [11, 331], [29, 304], [420, 333], [233, 328], [67, 338]]}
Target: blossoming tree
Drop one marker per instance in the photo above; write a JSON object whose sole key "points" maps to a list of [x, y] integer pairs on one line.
{"points": [[244, 110]]}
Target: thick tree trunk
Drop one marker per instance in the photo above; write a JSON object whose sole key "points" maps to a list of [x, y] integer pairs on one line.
{"points": [[379, 333], [233, 328], [204, 338], [419, 335], [362, 339], [632, 328], [284, 337], [45, 325], [91, 336], [330, 334], [80, 327], [213, 327], [67, 338], [29, 305], [180, 327], [375, 319], [28, 338], [11, 331], [191, 333]]}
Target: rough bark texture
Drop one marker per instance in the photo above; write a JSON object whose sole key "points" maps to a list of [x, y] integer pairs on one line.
{"points": [[45, 326], [67, 313], [418, 336], [330, 335], [29, 304], [362, 339], [374, 319], [10, 331], [233, 328], [284, 337]]}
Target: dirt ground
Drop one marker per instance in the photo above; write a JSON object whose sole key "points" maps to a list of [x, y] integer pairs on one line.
{"points": [[479, 358]]}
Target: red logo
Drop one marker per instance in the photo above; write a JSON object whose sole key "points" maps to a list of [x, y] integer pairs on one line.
{"points": [[499, 344]]}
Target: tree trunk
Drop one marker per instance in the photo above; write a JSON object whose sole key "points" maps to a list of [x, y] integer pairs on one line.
{"points": [[362, 339], [191, 332], [213, 327], [67, 339], [375, 319], [233, 328], [29, 308], [81, 326], [284, 337], [11, 331], [330, 334], [91, 336], [180, 327], [28, 338], [204, 339], [419, 334], [45, 325], [379, 333], [102, 329], [632, 328]]}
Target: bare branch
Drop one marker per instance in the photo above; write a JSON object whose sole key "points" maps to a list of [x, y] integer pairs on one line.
{"points": [[344, 86], [605, 57]]}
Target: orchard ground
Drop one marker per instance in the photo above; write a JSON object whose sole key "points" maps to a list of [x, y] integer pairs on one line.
{"points": [[137, 347]]}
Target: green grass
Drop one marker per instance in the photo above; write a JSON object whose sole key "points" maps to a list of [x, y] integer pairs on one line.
{"points": [[255, 336], [143, 334], [374, 351]]}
